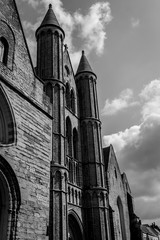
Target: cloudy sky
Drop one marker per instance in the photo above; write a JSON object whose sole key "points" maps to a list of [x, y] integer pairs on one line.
{"points": [[121, 39]]}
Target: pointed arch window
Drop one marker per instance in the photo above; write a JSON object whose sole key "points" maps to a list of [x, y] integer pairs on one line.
{"points": [[67, 70], [3, 50], [7, 126], [69, 136], [10, 201]]}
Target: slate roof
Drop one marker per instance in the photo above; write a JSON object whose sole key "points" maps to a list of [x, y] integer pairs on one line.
{"points": [[50, 18], [84, 65]]}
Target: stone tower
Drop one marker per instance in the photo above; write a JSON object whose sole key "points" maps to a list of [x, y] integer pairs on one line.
{"points": [[50, 38], [95, 191]]}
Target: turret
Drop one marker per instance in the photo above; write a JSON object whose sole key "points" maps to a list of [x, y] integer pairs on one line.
{"points": [[96, 213], [86, 85], [50, 38]]}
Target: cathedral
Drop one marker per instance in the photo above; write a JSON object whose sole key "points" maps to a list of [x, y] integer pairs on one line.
{"points": [[56, 180]]}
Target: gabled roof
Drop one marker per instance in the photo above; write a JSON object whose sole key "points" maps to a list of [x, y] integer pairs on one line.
{"points": [[148, 230], [84, 65], [50, 18]]}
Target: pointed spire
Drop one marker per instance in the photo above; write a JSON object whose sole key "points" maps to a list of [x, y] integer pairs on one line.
{"points": [[84, 65], [50, 18]]}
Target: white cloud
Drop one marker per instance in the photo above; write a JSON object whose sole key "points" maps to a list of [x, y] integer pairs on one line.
{"points": [[135, 22], [124, 101], [90, 28], [138, 153], [150, 97]]}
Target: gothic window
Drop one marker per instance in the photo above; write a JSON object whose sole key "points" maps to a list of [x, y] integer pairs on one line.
{"points": [[68, 104], [115, 172], [3, 50], [67, 70], [7, 129], [10, 201], [72, 101], [69, 136], [75, 144], [75, 228]]}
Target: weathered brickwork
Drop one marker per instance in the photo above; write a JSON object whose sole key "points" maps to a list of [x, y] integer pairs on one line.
{"points": [[57, 185]]}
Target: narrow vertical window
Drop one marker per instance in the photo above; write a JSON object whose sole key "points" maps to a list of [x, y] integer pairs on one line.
{"points": [[72, 101], [75, 144], [3, 50], [68, 101], [68, 137]]}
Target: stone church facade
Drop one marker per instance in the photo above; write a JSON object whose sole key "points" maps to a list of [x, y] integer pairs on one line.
{"points": [[56, 181]]}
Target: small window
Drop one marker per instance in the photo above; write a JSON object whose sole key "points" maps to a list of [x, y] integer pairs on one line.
{"points": [[3, 50], [115, 172], [67, 70]]}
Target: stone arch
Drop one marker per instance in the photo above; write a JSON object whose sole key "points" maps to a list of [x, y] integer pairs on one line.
{"points": [[8, 35], [75, 227], [10, 200], [121, 218], [49, 31], [56, 33], [7, 120]]}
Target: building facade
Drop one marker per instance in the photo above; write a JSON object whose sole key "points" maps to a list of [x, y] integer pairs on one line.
{"points": [[56, 182]]}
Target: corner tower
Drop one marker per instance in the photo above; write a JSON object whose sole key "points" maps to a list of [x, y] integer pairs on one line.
{"points": [[50, 38], [96, 212]]}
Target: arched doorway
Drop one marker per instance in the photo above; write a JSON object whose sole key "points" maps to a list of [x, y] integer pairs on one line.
{"points": [[10, 201], [75, 228]]}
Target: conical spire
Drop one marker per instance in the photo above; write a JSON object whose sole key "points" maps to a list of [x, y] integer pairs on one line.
{"points": [[50, 18], [84, 65]]}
